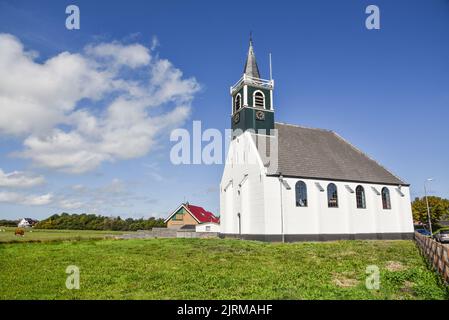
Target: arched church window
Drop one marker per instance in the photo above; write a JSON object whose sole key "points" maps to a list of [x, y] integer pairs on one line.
{"points": [[301, 194], [237, 102], [360, 197], [386, 201], [259, 99], [332, 196]]}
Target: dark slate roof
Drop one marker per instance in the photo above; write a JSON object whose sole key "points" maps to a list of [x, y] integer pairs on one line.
{"points": [[323, 154], [251, 69]]}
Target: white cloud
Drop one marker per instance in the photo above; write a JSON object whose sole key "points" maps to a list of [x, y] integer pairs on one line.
{"points": [[68, 204], [18, 179], [78, 110], [134, 55], [96, 199], [35, 97], [23, 199], [153, 171], [69, 152], [154, 43], [40, 200]]}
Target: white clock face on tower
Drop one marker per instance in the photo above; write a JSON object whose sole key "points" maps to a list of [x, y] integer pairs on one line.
{"points": [[260, 115], [237, 117]]}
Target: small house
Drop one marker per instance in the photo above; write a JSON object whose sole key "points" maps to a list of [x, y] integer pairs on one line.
{"points": [[188, 216], [27, 223]]}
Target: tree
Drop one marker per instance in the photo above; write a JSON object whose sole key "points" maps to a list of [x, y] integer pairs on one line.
{"points": [[439, 207], [93, 222], [9, 223]]}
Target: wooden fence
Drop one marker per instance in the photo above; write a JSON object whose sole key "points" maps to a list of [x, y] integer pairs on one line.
{"points": [[436, 253]]}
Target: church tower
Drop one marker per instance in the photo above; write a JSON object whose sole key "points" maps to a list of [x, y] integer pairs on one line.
{"points": [[252, 98]]}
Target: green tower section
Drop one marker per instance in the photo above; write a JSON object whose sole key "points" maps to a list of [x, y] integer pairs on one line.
{"points": [[252, 99]]}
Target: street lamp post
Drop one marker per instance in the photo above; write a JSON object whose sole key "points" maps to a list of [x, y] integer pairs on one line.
{"points": [[427, 204]]}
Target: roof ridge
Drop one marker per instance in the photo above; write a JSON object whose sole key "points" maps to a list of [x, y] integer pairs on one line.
{"points": [[368, 156], [303, 127]]}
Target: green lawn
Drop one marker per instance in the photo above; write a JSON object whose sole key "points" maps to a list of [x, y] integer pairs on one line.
{"points": [[37, 235], [215, 269]]}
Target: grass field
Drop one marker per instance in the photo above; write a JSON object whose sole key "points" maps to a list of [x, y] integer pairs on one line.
{"points": [[41, 235], [215, 269]]}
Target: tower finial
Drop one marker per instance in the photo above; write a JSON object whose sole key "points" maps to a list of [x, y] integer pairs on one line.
{"points": [[251, 68]]}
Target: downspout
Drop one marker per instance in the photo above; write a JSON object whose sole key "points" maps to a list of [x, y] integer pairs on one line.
{"points": [[245, 176], [240, 227], [282, 210]]}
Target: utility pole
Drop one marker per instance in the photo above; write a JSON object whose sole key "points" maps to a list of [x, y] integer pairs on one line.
{"points": [[428, 208]]}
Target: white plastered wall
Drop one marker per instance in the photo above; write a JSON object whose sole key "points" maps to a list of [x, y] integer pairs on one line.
{"points": [[318, 218]]}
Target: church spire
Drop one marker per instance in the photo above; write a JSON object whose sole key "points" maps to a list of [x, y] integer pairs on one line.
{"points": [[251, 68], [252, 99]]}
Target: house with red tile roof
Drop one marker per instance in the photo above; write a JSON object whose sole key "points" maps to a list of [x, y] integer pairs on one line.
{"points": [[188, 216]]}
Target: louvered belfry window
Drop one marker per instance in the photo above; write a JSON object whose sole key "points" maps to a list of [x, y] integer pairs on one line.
{"points": [[237, 102], [259, 100]]}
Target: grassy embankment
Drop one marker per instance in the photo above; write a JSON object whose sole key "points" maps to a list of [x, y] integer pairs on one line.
{"points": [[215, 269]]}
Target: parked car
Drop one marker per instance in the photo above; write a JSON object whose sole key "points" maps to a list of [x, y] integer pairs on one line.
{"points": [[424, 232], [442, 236]]}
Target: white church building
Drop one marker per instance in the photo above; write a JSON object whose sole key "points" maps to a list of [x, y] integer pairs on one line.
{"points": [[284, 182]]}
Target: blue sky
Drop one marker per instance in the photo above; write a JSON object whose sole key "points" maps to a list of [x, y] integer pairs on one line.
{"points": [[386, 91]]}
